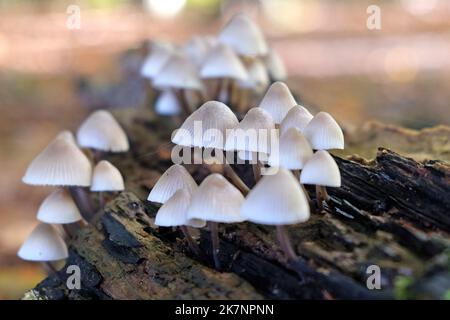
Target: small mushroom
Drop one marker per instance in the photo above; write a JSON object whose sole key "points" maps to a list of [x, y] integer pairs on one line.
{"points": [[324, 133], [106, 178], [252, 135], [172, 180], [322, 171], [45, 245], [59, 208], [63, 164], [173, 213], [167, 104], [179, 74], [101, 132], [277, 200], [197, 49], [244, 36], [217, 201], [298, 117], [277, 101], [160, 53]]}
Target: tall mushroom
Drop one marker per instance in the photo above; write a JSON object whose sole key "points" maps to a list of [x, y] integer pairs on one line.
{"points": [[322, 171], [173, 213], [179, 74], [106, 178], [216, 201], [45, 245], [277, 200], [277, 101], [298, 117], [63, 164], [324, 133]]}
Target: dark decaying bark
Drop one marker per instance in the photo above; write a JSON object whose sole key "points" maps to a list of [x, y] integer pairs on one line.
{"points": [[392, 212]]}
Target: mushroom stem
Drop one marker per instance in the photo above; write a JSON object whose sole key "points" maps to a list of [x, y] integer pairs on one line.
{"points": [[49, 268], [191, 242], [321, 195], [83, 201], [256, 171], [235, 179], [181, 96], [67, 230], [285, 243], [307, 195], [213, 229], [101, 199], [82, 223]]}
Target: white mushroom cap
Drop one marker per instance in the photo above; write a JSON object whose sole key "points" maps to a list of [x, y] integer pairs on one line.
{"points": [[321, 170], [253, 133], [43, 244], [275, 66], [257, 77], [216, 200], [222, 62], [61, 163], [179, 73], [278, 100], [294, 151], [214, 118], [324, 133], [172, 180], [197, 49], [244, 36], [106, 177], [59, 208], [174, 212], [101, 131], [298, 117], [167, 104], [159, 54], [276, 200]]}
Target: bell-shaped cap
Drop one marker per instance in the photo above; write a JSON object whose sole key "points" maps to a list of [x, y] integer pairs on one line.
{"points": [[197, 49], [321, 170], [275, 66], [43, 244], [276, 199], [277, 101], [174, 212], [206, 127], [294, 151], [298, 117], [258, 78], [59, 208], [324, 133], [244, 36], [253, 133], [167, 104], [216, 200], [61, 163], [172, 180], [222, 62], [106, 177], [178, 73], [160, 53], [101, 131]]}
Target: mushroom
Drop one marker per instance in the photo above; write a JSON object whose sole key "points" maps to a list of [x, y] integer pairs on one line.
{"points": [[206, 128], [179, 74], [298, 117], [167, 104], [277, 101], [277, 200], [257, 81], [173, 179], [106, 178], [63, 164], [322, 171], [252, 135], [102, 133], [217, 201], [45, 245], [197, 49], [324, 133], [173, 213], [244, 36], [224, 65], [59, 208], [275, 66]]}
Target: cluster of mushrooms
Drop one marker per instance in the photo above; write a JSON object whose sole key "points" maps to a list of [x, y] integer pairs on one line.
{"points": [[214, 72], [222, 70], [66, 167]]}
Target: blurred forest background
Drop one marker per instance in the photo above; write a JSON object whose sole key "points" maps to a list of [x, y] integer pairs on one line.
{"points": [[51, 75]]}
